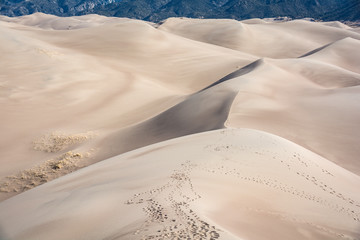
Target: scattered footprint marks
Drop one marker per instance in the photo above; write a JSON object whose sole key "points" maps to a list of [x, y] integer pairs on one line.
{"points": [[295, 163], [297, 220], [326, 188], [168, 207], [169, 212]]}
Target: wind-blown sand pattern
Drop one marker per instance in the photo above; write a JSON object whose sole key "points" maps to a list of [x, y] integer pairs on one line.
{"points": [[186, 129], [49, 170], [56, 142]]}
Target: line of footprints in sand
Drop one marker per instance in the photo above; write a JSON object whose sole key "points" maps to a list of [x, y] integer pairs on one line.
{"points": [[168, 207], [169, 213], [291, 165]]}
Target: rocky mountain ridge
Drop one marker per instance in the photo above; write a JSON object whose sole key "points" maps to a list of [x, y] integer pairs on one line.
{"points": [[157, 10]]}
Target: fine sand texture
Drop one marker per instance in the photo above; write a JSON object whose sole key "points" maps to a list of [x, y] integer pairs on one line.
{"points": [[113, 128], [223, 184]]}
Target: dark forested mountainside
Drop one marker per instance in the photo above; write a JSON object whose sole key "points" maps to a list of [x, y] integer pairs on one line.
{"points": [[156, 10]]}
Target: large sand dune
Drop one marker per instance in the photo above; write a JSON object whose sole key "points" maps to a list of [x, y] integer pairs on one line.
{"points": [[200, 129], [232, 184]]}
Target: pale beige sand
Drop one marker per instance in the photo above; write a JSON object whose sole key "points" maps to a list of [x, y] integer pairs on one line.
{"points": [[99, 78], [317, 106], [76, 91], [312, 99], [226, 184], [258, 37]]}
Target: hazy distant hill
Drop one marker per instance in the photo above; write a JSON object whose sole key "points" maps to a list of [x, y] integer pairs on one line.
{"points": [[156, 10]]}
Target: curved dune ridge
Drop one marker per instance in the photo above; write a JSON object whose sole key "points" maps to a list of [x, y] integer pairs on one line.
{"points": [[184, 129], [224, 184]]}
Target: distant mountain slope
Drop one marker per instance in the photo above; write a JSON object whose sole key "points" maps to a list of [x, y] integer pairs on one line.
{"points": [[350, 11], [156, 10], [55, 7]]}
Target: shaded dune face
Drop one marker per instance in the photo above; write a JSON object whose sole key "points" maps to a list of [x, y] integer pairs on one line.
{"points": [[200, 112], [200, 129]]}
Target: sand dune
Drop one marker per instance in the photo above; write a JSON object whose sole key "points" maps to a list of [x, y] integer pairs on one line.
{"points": [[77, 81], [321, 119], [339, 54], [259, 38], [227, 184], [189, 128], [50, 22], [203, 111]]}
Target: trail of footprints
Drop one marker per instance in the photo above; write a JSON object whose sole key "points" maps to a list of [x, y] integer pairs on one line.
{"points": [[293, 164], [168, 207], [169, 215]]}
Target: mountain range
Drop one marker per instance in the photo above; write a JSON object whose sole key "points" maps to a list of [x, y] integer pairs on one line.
{"points": [[157, 10]]}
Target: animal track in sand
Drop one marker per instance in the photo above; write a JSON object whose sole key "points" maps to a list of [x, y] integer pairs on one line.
{"points": [[169, 213]]}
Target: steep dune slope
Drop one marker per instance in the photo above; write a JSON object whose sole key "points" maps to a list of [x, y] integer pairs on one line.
{"points": [[310, 103], [226, 184], [203, 111], [339, 53], [267, 112], [104, 75]]}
